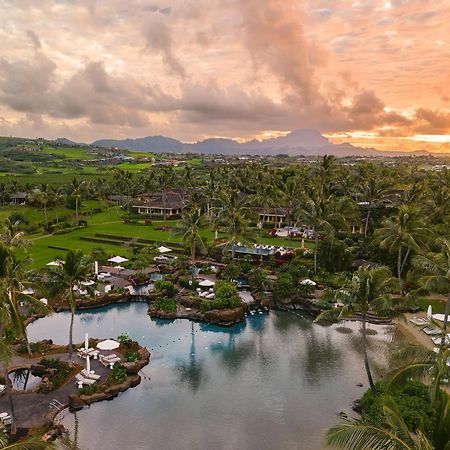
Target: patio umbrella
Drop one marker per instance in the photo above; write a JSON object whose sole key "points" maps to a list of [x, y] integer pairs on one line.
{"points": [[164, 249], [86, 341], [108, 344], [88, 364], [117, 259], [44, 301], [87, 283], [206, 283], [429, 312]]}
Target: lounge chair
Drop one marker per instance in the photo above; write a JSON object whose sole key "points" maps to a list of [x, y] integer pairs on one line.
{"points": [[2, 389], [432, 331], [91, 376], [419, 321], [5, 418], [438, 340], [82, 380], [111, 356]]}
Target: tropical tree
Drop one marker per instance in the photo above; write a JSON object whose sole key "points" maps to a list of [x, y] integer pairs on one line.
{"points": [[75, 192], [362, 434], [437, 276], [11, 320], [62, 280], [232, 213], [324, 215], [369, 290], [12, 236], [34, 443], [403, 234], [189, 228], [373, 190]]}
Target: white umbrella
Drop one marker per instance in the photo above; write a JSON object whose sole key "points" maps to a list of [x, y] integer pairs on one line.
{"points": [[44, 301], [164, 249], [308, 282], [429, 312], [119, 267], [117, 259], [108, 344], [96, 267], [88, 364], [87, 283], [206, 283], [86, 341]]}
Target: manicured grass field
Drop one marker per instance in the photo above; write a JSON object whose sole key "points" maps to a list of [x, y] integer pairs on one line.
{"points": [[110, 222]]}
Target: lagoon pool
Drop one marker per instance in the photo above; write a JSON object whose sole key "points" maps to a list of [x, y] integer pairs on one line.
{"points": [[276, 381]]}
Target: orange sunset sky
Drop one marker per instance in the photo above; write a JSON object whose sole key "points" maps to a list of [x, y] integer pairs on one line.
{"points": [[374, 73]]}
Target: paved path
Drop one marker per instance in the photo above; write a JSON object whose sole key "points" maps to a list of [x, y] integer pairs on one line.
{"points": [[31, 408]]}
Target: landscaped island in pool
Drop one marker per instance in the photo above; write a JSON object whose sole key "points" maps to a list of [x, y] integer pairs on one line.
{"points": [[276, 381]]}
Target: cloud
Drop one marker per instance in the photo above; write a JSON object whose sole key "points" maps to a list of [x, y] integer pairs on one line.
{"points": [[159, 38], [34, 39]]}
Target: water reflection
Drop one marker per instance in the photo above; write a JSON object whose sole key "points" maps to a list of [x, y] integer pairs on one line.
{"points": [[277, 381]]}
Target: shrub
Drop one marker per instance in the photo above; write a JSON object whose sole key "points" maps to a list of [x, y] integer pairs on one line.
{"points": [[412, 400], [166, 304], [131, 356], [36, 347], [284, 286], [62, 370], [188, 283], [165, 287], [226, 296], [92, 389], [123, 337], [117, 375]]}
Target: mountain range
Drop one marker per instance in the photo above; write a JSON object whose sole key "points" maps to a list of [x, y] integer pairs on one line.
{"points": [[308, 142]]}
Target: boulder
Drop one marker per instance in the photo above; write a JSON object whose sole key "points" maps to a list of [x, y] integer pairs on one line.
{"points": [[75, 402]]}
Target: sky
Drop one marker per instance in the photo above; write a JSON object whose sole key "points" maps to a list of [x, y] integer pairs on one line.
{"points": [[374, 73]]}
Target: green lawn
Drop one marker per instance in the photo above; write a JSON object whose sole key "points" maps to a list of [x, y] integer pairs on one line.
{"points": [[110, 222], [70, 152]]}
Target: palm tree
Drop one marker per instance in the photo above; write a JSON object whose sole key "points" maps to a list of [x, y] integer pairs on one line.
{"points": [[75, 191], [165, 179], [323, 215], [368, 291], [437, 278], [62, 280], [232, 212], [11, 236], [11, 272], [402, 234], [361, 434], [372, 191], [35, 443], [189, 228]]}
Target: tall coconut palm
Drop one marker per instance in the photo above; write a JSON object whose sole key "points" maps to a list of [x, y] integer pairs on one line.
{"points": [[372, 191], [232, 213], [368, 291], [189, 228], [437, 275], [11, 273], [62, 280], [11, 235], [165, 179], [325, 214], [75, 191], [403, 234]]}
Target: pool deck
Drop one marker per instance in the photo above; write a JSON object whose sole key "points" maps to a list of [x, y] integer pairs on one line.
{"points": [[32, 408]]}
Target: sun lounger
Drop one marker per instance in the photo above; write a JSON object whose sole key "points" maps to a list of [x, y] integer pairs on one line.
{"points": [[438, 340], [91, 376], [85, 351], [418, 321], [432, 331], [111, 356], [5, 418], [82, 380]]}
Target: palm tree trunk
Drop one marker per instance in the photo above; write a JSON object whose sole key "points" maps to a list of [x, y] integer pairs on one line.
{"points": [[192, 259], [76, 209], [366, 226], [316, 244], [444, 327], [72, 316], [233, 250], [366, 358], [399, 264], [10, 399], [45, 214]]}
